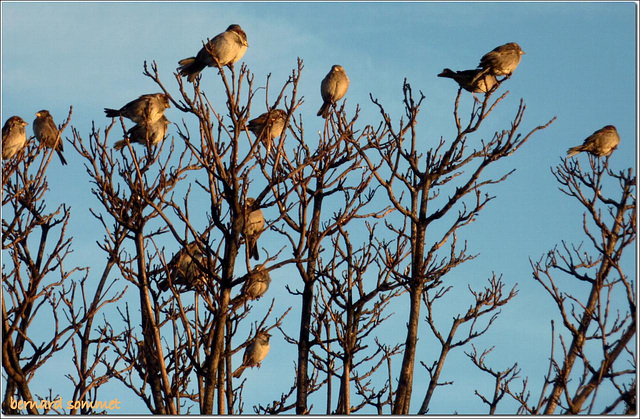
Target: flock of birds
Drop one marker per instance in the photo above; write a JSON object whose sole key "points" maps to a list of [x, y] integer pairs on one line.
{"points": [[226, 48]]}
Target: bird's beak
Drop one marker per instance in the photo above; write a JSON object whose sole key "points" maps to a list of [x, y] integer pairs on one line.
{"points": [[25, 123], [38, 114]]}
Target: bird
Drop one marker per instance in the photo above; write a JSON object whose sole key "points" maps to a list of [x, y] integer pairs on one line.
{"points": [[467, 80], [146, 109], [501, 61], [14, 136], [253, 225], [255, 353], [183, 270], [227, 48], [333, 88], [155, 132], [600, 143], [268, 126], [46, 132], [257, 283]]}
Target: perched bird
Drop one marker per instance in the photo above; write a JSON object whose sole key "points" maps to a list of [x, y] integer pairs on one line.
{"points": [[600, 143], [268, 126], [145, 109], [14, 136], [333, 88], [227, 48], [502, 60], [255, 353], [154, 132], [253, 225], [467, 80], [183, 270], [46, 132], [257, 283]]}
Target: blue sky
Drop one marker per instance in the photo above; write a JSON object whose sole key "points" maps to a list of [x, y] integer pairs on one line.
{"points": [[580, 65]]}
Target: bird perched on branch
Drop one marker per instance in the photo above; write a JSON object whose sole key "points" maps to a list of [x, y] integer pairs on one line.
{"points": [[145, 109], [46, 132], [257, 283], [333, 88], [468, 81], [600, 143], [154, 133], [253, 226], [14, 136], [501, 61], [225, 48], [268, 126], [255, 353], [183, 270]]}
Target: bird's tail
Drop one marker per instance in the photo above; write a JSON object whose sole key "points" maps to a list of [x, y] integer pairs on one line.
{"points": [[253, 249], [190, 68], [237, 373], [112, 113], [119, 145], [447, 72], [574, 150], [324, 110], [62, 159]]}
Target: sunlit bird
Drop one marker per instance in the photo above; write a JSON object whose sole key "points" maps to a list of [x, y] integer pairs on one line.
{"points": [[333, 88], [257, 283], [253, 226], [501, 61], [255, 353], [14, 136], [145, 109], [47, 133], [600, 143], [142, 133], [268, 126], [227, 48], [183, 270]]}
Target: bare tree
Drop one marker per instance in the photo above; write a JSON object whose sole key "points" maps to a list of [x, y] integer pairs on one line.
{"points": [[368, 216], [139, 192], [485, 302], [413, 182], [350, 309], [326, 174], [501, 378], [37, 287], [599, 311]]}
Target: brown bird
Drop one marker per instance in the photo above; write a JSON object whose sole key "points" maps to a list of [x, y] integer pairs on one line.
{"points": [[227, 48], [502, 60], [184, 271], [268, 126], [253, 225], [257, 283], [46, 132], [467, 80], [145, 109], [255, 353], [600, 143], [14, 136], [138, 134], [333, 88]]}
